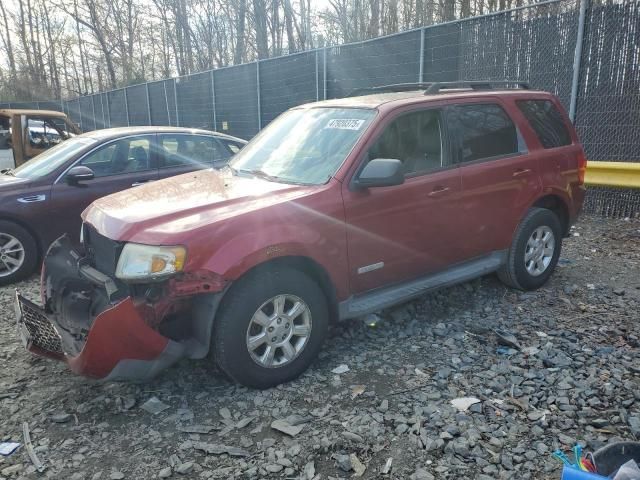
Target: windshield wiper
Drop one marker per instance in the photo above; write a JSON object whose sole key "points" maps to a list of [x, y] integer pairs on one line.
{"points": [[266, 176], [256, 172], [7, 171]]}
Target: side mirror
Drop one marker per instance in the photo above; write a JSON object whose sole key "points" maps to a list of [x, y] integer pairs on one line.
{"points": [[381, 172], [79, 174]]}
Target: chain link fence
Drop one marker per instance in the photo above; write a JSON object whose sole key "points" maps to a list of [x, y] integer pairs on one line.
{"points": [[590, 61]]}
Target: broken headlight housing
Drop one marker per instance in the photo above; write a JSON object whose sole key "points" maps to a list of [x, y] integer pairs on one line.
{"points": [[148, 262]]}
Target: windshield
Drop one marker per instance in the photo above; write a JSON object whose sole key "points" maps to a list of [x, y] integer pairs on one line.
{"points": [[51, 159], [304, 146]]}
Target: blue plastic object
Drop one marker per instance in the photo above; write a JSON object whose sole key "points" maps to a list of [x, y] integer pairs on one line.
{"points": [[571, 473]]}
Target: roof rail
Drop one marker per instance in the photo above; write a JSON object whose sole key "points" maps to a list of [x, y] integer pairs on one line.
{"points": [[435, 87], [396, 87], [431, 88]]}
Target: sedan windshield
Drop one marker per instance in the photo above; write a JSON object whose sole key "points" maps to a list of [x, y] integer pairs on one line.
{"points": [[51, 159], [304, 146]]}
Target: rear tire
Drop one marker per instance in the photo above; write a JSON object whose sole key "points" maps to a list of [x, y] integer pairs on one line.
{"points": [[18, 253], [534, 251], [270, 327]]}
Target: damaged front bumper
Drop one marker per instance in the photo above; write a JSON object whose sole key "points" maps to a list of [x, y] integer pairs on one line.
{"points": [[99, 326]]}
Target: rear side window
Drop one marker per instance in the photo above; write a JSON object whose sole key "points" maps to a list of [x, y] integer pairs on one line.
{"points": [[546, 121], [483, 131]]}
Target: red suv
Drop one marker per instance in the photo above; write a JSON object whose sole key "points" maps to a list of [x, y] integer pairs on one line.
{"points": [[336, 209]]}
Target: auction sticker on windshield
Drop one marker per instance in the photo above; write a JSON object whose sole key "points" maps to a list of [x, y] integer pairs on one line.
{"points": [[345, 123]]}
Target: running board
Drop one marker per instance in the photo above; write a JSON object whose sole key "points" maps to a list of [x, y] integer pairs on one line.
{"points": [[380, 298]]}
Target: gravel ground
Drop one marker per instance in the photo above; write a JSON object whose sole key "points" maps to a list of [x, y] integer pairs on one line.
{"points": [[576, 378]]}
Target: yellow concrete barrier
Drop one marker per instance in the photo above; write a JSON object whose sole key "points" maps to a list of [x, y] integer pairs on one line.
{"points": [[613, 174]]}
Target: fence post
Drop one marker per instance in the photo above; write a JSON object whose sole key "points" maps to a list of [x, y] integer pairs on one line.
{"points": [[148, 103], [213, 102], [324, 73], [166, 101], [104, 120], [80, 113], [175, 99], [258, 94], [108, 109], [577, 58], [93, 110], [421, 60], [317, 79], [126, 106]]}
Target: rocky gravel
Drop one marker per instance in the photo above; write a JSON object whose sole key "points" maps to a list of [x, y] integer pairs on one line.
{"points": [[573, 374]]}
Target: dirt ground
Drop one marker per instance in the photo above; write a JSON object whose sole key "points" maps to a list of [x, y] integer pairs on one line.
{"points": [[576, 378]]}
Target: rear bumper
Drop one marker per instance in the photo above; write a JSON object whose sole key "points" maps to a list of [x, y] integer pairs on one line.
{"points": [[98, 331]]}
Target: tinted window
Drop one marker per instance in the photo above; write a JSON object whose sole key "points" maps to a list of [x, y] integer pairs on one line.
{"points": [[547, 122], [416, 140], [483, 131], [191, 150], [122, 156]]}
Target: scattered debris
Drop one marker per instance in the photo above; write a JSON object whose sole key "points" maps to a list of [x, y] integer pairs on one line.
{"points": [[61, 417], [357, 466], [29, 448], [463, 403], [386, 468], [154, 406], [203, 429], [7, 448], [357, 390], [216, 449], [340, 369], [507, 339], [286, 428]]}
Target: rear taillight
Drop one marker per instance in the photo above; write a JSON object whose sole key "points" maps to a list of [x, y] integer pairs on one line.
{"points": [[582, 166]]}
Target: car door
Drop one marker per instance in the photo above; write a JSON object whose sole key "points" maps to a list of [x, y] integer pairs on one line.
{"points": [[500, 178], [181, 153], [401, 232], [117, 165]]}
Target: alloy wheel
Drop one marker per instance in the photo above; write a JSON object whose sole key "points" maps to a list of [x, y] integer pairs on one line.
{"points": [[279, 330], [539, 250], [11, 254]]}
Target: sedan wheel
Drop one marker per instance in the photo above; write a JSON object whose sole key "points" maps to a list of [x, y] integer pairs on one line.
{"points": [[11, 254]]}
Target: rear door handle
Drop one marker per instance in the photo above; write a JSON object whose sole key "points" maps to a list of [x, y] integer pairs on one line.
{"points": [[437, 191], [521, 171]]}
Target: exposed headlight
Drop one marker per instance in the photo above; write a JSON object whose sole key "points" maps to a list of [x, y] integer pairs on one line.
{"points": [[147, 262]]}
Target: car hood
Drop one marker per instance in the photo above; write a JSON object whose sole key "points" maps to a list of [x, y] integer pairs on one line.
{"points": [[161, 212], [8, 182]]}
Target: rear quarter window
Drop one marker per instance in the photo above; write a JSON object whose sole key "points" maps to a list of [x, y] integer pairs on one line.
{"points": [[546, 121]]}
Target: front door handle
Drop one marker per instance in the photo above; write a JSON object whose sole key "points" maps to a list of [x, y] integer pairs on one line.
{"points": [[437, 191], [521, 171]]}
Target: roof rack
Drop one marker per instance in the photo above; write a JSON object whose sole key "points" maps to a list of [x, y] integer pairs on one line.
{"points": [[435, 87], [432, 88], [395, 87]]}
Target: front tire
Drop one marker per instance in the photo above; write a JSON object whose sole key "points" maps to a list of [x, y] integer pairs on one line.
{"points": [[18, 253], [534, 251], [270, 327]]}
